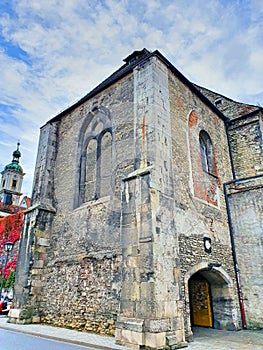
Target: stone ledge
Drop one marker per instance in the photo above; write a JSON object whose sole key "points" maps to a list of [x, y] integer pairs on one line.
{"points": [[138, 172], [130, 324]]}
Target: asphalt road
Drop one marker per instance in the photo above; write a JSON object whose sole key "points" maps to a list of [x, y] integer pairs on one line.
{"points": [[17, 341]]}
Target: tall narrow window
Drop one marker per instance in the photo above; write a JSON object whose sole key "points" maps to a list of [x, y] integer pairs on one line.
{"points": [[206, 149], [105, 164], [14, 183], [90, 170]]}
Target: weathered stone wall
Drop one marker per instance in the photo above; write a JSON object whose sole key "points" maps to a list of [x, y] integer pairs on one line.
{"points": [[199, 197], [90, 232], [83, 293], [57, 233], [247, 145], [246, 207]]}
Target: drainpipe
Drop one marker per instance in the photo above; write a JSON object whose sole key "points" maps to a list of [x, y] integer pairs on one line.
{"points": [[230, 150], [239, 289]]}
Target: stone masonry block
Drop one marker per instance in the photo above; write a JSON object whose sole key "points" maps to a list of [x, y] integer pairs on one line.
{"points": [[157, 326], [155, 340], [131, 337], [43, 242]]}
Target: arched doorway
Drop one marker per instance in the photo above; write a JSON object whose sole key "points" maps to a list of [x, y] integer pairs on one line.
{"points": [[209, 298], [200, 301]]}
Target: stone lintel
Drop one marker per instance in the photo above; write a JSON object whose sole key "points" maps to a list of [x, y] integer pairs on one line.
{"points": [[136, 325], [139, 172], [40, 206], [43, 242], [145, 240]]}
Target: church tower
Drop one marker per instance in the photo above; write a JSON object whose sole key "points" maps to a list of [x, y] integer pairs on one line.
{"points": [[11, 181]]}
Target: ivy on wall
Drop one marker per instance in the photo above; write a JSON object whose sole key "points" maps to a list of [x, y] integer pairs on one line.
{"points": [[10, 230]]}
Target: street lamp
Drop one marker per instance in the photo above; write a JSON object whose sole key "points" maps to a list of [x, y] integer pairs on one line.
{"points": [[8, 246]]}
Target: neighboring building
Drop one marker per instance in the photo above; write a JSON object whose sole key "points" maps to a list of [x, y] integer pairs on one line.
{"points": [[11, 212], [134, 188], [6, 210], [10, 187], [12, 179]]}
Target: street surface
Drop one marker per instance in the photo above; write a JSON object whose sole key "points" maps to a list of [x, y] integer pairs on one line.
{"points": [[17, 341]]}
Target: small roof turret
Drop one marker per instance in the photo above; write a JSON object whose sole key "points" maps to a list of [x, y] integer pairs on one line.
{"points": [[14, 165]]}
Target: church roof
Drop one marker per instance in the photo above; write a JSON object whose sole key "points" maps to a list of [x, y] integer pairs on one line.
{"points": [[135, 59], [230, 108]]}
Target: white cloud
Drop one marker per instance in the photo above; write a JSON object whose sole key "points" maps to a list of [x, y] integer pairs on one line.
{"points": [[68, 47]]}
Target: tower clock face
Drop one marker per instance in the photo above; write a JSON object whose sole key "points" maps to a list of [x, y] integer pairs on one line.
{"points": [[15, 176]]}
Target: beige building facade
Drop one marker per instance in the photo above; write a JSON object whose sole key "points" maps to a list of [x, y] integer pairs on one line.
{"points": [[140, 210]]}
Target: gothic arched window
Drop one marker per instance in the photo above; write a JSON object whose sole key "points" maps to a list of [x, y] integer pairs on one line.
{"points": [[95, 167], [207, 155]]}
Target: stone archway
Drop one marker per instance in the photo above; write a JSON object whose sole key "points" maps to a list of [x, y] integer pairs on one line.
{"points": [[223, 307]]}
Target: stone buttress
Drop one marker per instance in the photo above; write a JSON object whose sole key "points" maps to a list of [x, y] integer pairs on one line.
{"points": [[35, 235], [151, 307]]}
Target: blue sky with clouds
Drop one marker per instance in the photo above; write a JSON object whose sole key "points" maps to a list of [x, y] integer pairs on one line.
{"points": [[53, 52]]}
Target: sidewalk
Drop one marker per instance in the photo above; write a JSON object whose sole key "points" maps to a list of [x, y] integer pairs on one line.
{"points": [[213, 339], [64, 334], [204, 338]]}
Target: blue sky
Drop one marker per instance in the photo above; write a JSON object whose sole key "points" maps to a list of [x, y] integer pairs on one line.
{"points": [[53, 52]]}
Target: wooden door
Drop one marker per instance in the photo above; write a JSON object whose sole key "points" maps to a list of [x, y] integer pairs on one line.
{"points": [[200, 303]]}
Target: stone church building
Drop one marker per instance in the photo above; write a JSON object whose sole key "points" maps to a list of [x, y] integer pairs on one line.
{"points": [[146, 216]]}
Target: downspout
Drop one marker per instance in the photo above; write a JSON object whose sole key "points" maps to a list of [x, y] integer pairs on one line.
{"points": [[230, 150], [237, 273]]}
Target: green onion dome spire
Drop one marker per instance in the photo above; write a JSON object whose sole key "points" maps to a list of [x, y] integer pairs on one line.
{"points": [[14, 165]]}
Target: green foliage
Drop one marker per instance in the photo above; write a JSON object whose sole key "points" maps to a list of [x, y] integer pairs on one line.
{"points": [[1, 280], [9, 283]]}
